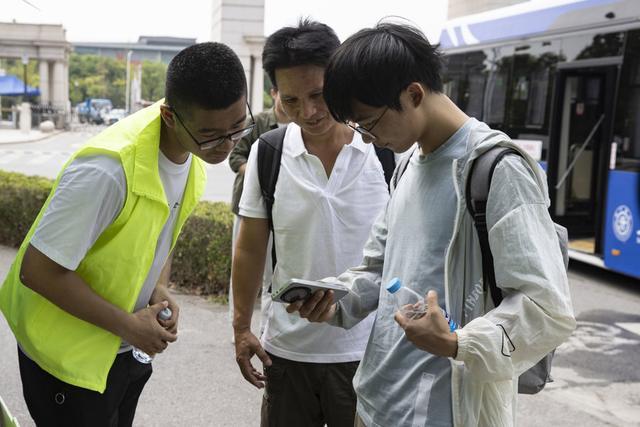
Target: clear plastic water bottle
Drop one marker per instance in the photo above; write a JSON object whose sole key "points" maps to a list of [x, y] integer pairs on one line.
{"points": [[411, 304], [140, 355]]}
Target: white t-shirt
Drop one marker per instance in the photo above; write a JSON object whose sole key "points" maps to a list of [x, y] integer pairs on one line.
{"points": [[89, 197], [321, 225]]}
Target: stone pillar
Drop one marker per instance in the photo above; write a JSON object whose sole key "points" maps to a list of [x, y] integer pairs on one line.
{"points": [[257, 100], [44, 82], [240, 25], [25, 117], [58, 97], [65, 79]]}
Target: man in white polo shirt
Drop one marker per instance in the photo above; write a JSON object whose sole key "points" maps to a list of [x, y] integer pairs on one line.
{"points": [[329, 190]]}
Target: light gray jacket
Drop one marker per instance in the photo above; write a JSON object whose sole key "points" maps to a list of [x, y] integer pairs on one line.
{"points": [[536, 312]]}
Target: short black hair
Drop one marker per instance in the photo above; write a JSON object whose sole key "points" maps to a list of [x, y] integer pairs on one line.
{"points": [[207, 75], [310, 43], [375, 65]]}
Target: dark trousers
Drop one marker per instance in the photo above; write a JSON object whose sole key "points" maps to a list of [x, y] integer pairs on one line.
{"points": [[308, 394], [52, 402]]}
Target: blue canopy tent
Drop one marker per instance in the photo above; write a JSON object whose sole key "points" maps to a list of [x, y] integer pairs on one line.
{"points": [[13, 86]]}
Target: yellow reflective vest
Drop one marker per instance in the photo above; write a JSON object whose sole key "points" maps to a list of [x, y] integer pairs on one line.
{"points": [[115, 267]]}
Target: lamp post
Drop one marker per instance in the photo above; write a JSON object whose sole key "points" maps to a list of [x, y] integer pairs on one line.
{"points": [[127, 95], [25, 62]]}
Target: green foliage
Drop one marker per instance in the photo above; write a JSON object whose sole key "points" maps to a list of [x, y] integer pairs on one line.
{"points": [[21, 198], [154, 75], [267, 100], [202, 256], [16, 68], [93, 76]]}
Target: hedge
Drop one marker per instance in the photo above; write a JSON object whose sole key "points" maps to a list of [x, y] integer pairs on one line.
{"points": [[202, 256], [21, 198]]}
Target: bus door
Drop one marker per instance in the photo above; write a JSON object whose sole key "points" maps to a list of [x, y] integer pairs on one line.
{"points": [[579, 151]]}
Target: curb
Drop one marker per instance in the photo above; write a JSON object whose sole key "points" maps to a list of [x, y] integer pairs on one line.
{"points": [[40, 138]]}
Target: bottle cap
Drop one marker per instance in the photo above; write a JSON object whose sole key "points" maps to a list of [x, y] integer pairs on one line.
{"points": [[165, 314], [393, 285]]}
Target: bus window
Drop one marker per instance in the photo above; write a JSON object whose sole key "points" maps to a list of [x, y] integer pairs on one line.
{"points": [[627, 121], [453, 73], [464, 81], [589, 46], [476, 78], [495, 95], [534, 66], [537, 105]]}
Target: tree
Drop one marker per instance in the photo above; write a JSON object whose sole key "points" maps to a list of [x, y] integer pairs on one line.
{"points": [[153, 78], [14, 67], [93, 76]]}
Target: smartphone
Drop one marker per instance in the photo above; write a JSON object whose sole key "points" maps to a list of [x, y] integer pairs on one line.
{"points": [[300, 289]]}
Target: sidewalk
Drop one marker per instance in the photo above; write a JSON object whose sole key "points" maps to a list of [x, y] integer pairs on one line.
{"points": [[195, 382], [16, 136]]}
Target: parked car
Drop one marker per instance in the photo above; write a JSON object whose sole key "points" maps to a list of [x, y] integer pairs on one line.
{"points": [[114, 115], [83, 112], [93, 110]]}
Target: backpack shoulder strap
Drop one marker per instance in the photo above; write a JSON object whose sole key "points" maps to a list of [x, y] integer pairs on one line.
{"points": [[388, 161], [400, 170], [269, 156], [476, 195]]}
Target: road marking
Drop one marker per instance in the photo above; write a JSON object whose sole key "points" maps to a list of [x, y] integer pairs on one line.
{"points": [[634, 328], [613, 404], [39, 159], [4, 160], [597, 337]]}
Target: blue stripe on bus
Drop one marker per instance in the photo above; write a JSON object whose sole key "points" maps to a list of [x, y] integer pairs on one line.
{"points": [[622, 230], [445, 40], [525, 24]]}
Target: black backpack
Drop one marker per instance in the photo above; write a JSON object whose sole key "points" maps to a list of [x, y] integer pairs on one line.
{"points": [[269, 155], [476, 194]]}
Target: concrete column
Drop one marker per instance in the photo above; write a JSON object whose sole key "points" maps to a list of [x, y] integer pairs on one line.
{"points": [[58, 97], [44, 82], [65, 79], [25, 117], [258, 84], [240, 25]]}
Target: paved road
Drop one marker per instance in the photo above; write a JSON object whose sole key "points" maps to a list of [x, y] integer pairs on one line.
{"points": [[196, 382], [46, 158]]}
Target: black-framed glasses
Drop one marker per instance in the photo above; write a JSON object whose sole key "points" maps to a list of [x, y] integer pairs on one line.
{"points": [[367, 135], [214, 142]]}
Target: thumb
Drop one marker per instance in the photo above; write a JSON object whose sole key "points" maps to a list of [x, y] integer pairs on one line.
{"points": [[263, 356], [432, 300], [401, 319], [158, 307]]}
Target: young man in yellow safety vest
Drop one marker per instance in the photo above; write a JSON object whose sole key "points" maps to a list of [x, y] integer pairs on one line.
{"points": [[90, 277]]}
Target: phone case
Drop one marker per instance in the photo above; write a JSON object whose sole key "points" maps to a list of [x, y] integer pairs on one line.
{"points": [[300, 289]]}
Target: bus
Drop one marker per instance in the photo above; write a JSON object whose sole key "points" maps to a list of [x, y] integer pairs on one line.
{"points": [[562, 79]]}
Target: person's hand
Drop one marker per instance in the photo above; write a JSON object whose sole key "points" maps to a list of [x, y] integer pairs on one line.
{"points": [[246, 346], [430, 332], [160, 294], [146, 333], [319, 307]]}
